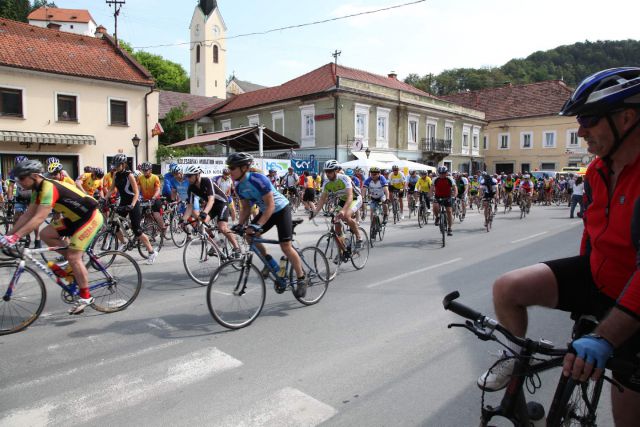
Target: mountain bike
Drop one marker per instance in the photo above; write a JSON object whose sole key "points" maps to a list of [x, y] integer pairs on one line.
{"points": [[236, 292], [114, 282], [340, 249], [413, 206], [378, 226], [574, 403], [442, 217], [395, 206], [423, 211], [489, 212], [524, 206]]}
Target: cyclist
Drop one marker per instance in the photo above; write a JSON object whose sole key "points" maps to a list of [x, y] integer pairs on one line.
{"points": [[508, 186], [150, 192], [463, 189], [289, 182], [348, 199], [489, 190], [378, 189], [213, 203], [129, 191], [423, 188], [225, 182], [443, 188], [274, 210], [81, 221], [51, 160], [22, 198], [309, 195], [168, 182], [604, 279], [90, 183], [56, 172], [397, 185], [474, 187], [412, 180], [525, 188]]}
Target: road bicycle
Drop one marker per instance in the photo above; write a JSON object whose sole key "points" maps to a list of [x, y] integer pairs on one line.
{"points": [[524, 206], [7, 215], [151, 228], [508, 201], [236, 292], [119, 236], [294, 198], [114, 282], [489, 212], [458, 209], [341, 248], [413, 206], [378, 225], [423, 211], [574, 403], [442, 217], [395, 206]]}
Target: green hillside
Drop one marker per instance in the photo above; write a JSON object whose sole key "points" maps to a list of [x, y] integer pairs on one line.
{"points": [[571, 63]]}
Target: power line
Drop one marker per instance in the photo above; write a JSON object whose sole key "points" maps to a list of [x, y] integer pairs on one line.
{"points": [[258, 33]]}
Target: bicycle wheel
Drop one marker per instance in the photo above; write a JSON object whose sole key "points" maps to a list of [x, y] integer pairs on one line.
{"points": [[328, 245], [575, 403], [235, 294], [115, 286], [396, 211], [373, 229], [443, 226], [178, 235], [316, 271], [201, 258], [421, 218], [20, 307], [106, 241], [360, 256], [153, 232]]}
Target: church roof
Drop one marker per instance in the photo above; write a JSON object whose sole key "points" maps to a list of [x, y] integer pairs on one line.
{"points": [[170, 99], [61, 15], [208, 6], [247, 86]]}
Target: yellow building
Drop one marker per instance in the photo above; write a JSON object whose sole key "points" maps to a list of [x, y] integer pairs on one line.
{"points": [[524, 131]]}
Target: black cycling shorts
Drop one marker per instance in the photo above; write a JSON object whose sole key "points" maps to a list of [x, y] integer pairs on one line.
{"points": [[446, 202], [309, 195], [579, 294], [220, 211], [135, 216], [282, 221]]}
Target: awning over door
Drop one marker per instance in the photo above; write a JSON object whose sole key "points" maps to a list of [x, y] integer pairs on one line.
{"points": [[46, 138], [244, 139]]}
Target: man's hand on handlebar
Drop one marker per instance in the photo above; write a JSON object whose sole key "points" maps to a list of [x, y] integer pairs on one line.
{"points": [[589, 351]]}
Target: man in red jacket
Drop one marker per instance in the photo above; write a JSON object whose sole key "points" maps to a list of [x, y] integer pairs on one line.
{"points": [[604, 280]]}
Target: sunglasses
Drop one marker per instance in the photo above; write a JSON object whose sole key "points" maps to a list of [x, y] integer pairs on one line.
{"points": [[189, 175], [375, 173], [588, 121], [232, 168]]}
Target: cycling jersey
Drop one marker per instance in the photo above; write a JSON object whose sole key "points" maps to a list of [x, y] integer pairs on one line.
{"points": [[148, 186], [461, 183], [525, 185], [169, 184], [64, 198], [611, 236], [397, 180], [206, 189], [376, 188], [225, 184], [424, 185], [90, 184], [443, 186], [508, 185], [338, 187], [254, 186], [124, 187], [489, 186], [412, 180], [290, 180]]}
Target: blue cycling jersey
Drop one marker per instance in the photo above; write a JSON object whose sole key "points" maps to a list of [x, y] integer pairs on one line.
{"points": [[169, 184], [254, 186]]}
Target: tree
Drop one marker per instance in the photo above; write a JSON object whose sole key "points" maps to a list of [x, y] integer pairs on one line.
{"points": [[19, 10], [173, 132], [168, 75]]}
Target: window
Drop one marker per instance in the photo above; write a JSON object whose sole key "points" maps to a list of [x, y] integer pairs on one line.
{"points": [[215, 54], [485, 142], [448, 131], [432, 126], [526, 140], [413, 128], [548, 166], [465, 139], [572, 139], [197, 54], [277, 119], [475, 142], [67, 108], [225, 124], [361, 112], [308, 125], [118, 112], [254, 120], [11, 102], [549, 139], [382, 128], [525, 168], [503, 141]]}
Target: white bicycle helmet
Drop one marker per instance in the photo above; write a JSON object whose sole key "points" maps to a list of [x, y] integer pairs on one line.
{"points": [[192, 170], [331, 165]]}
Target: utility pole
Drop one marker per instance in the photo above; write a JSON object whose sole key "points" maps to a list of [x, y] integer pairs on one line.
{"points": [[117, 5], [335, 55]]}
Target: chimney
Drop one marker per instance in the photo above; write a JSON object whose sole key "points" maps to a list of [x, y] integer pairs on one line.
{"points": [[100, 31], [53, 26], [393, 75]]}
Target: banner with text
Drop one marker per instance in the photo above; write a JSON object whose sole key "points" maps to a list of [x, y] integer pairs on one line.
{"points": [[212, 166]]}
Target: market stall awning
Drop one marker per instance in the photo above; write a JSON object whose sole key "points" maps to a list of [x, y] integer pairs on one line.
{"points": [[243, 139], [46, 138]]}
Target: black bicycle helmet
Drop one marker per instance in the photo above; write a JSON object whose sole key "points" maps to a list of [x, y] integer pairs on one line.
{"points": [[442, 169], [99, 172], [239, 159], [119, 159], [27, 167]]}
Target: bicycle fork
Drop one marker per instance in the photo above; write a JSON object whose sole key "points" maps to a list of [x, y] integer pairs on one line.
{"points": [[239, 290]]}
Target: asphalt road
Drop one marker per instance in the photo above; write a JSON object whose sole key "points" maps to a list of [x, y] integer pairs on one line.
{"points": [[375, 351]]}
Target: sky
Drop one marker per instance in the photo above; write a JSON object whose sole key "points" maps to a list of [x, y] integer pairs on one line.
{"points": [[426, 37]]}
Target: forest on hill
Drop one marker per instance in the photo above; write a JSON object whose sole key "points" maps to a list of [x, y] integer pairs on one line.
{"points": [[570, 63]]}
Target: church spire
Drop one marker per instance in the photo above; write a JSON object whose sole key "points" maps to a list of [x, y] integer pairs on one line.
{"points": [[208, 6]]}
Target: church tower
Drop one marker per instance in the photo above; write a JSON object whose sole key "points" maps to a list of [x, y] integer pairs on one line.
{"points": [[208, 50]]}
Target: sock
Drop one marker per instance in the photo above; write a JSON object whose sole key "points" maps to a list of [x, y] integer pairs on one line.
{"points": [[84, 293]]}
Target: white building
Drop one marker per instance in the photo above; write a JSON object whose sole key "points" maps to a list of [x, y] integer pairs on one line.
{"points": [[78, 21], [208, 51]]}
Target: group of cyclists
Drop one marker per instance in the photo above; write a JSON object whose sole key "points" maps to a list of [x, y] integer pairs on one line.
{"points": [[602, 280]]}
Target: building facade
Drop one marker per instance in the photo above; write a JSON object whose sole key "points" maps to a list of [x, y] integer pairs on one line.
{"points": [[83, 107], [208, 51], [77, 21]]}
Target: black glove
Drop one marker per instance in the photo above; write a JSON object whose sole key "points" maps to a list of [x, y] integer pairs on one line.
{"points": [[203, 215], [238, 229], [256, 228]]}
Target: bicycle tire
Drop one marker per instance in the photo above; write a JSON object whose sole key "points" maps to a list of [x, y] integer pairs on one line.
{"points": [[26, 302], [316, 271], [359, 257], [153, 232], [329, 247], [421, 221], [106, 241], [116, 289], [231, 309], [576, 403], [373, 230], [201, 258], [443, 226], [178, 235]]}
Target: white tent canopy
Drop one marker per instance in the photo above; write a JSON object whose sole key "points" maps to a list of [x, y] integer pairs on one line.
{"points": [[410, 165], [364, 164], [379, 156]]}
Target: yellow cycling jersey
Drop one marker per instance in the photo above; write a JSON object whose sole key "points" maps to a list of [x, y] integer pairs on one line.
{"points": [[423, 185], [397, 180], [148, 186], [90, 184]]}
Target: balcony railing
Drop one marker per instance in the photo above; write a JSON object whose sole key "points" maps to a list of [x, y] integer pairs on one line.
{"points": [[434, 145]]}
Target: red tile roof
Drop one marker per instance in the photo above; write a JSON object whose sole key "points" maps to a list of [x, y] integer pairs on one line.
{"points": [[61, 15], [169, 100], [508, 102], [317, 81], [33, 48]]}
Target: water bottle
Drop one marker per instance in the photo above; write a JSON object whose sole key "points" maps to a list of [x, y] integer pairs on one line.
{"points": [[60, 272], [273, 264], [69, 274], [283, 266]]}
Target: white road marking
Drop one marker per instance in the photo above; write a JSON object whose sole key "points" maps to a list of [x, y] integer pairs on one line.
{"points": [[287, 407], [101, 399], [529, 237], [411, 273]]}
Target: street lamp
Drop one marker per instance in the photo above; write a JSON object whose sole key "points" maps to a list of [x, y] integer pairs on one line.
{"points": [[136, 142], [367, 152]]}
